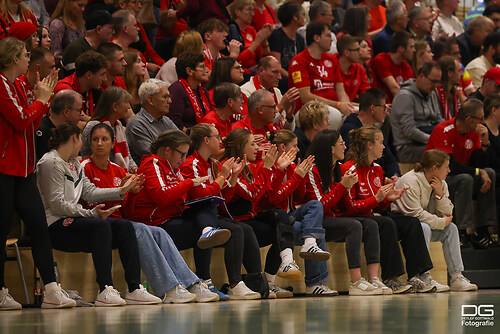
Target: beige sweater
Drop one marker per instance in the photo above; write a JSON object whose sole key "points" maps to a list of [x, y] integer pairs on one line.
{"points": [[419, 201]]}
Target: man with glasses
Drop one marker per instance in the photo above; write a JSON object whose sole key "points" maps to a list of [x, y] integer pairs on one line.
{"points": [[420, 21], [151, 120], [372, 111], [353, 73], [465, 138], [397, 20], [415, 112]]}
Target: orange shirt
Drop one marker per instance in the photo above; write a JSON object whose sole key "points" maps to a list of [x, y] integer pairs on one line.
{"points": [[377, 15]]}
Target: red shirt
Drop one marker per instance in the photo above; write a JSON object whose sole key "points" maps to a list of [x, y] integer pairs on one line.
{"points": [[261, 18], [117, 82], [71, 82], [165, 191], [108, 178], [246, 58], [378, 16], [23, 85], [28, 16], [383, 67], [149, 52], [355, 81], [259, 134], [320, 75], [446, 138], [330, 199], [179, 25], [224, 127]]}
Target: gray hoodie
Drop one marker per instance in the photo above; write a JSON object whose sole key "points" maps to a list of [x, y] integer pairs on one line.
{"points": [[410, 110]]}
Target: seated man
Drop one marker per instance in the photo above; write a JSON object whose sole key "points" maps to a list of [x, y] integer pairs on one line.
{"points": [[465, 138], [316, 74], [397, 20], [89, 74], [268, 77], [416, 110], [151, 120], [489, 58], [390, 69], [372, 111], [353, 73], [420, 21], [472, 39], [490, 85], [116, 65], [313, 118]]}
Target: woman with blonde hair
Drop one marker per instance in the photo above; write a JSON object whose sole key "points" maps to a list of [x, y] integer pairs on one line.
{"points": [[188, 41], [134, 76], [427, 199], [12, 11], [66, 25], [113, 105], [422, 55]]}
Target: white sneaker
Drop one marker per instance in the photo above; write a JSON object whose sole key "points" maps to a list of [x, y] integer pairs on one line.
{"points": [[109, 297], [376, 282], [141, 296], [363, 288], [55, 297], [178, 295], [313, 253], [203, 294], [7, 302], [320, 290], [462, 284], [420, 286], [279, 292], [241, 291], [290, 271], [427, 278], [397, 286]]}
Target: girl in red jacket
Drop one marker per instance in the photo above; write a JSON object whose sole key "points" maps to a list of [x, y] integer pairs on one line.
{"points": [[271, 226], [326, 184], [18, 190], [221, 182], [370, 197], [161, 203]]}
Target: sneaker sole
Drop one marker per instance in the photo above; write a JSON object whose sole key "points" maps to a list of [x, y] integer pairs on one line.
{"points": [[293, 275], [433, 289], [183, 301], [464, 290], [366, 293], [246, 297], [442, 289], [104, 304], [331, 294], [140, 302], [2, 308], [387, 291], [402, 290], [52, 306], [217, 239], [208, 300], [315, 256]]}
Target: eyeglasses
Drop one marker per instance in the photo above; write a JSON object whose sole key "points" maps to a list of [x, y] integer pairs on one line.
{"points": [[381, 105], [434, 82], [183, 154], [27, 54], [273, 106]]}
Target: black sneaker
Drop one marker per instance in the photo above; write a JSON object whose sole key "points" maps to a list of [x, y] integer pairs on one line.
{"points": [[483, 242]]}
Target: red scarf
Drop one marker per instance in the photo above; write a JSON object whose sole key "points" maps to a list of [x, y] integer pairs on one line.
{"points": [[280, 124], [444, 103], [194, 101]]}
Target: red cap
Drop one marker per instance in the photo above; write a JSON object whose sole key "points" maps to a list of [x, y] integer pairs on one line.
{"points": [[493, 74], [22, 30]]}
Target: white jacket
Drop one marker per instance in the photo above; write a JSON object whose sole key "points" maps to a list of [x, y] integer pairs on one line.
{"points": [[62, 184], [419, 201]]}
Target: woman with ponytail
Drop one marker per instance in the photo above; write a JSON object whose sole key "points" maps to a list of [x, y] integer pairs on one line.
{"points": [[427, 199], [325, 183], [73, 228], [222, 178], [371, 197]]}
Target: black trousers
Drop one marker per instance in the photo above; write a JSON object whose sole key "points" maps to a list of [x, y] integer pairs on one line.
{"points": [[273, 227], [21, 194], [409, 231], [100, 236]]}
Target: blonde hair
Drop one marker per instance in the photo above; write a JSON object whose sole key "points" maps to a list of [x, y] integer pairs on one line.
{"points": [[132, 81], [11, 47], [188, 41], [239, 5], [282, 136], [359, 139], [23, 11], [431, 158], [108, 98], [312, 112], [416, 62], [198, 133], [234, 144], [63, 13]]}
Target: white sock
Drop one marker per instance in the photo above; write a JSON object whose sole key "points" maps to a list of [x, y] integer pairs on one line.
{"points": [[286, 256], [455, 275], [51, 286], [206, 229], [308, 242], [270, 278]]}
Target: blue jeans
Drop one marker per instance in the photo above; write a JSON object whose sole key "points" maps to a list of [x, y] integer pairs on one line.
{"points": [[451, 245], [309, 224], [161, 261]]}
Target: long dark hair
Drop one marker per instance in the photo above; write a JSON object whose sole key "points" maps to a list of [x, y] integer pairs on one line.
{"points": [[221, 72], [321, 149]]}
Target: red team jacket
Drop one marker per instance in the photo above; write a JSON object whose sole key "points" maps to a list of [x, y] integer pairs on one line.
{"points": [[335, 196]]}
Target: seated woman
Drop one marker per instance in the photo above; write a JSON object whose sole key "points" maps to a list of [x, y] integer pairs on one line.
{"points": [[134, 76], [423, 54], [221, 182], [370, 197], [14, 11], [43, 37], [325, 183], [113, 105], [161, 203], [73, 228], [190, 100], [162, 263], [427, 199], [272, 226], [26, 32], [287, 191]]}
